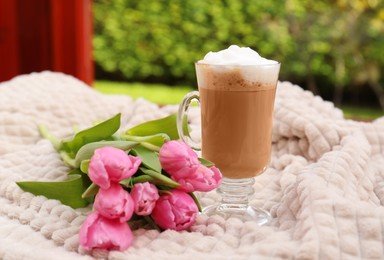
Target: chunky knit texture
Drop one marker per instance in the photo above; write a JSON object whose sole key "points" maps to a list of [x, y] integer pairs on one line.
{"points": [[324, 187]]}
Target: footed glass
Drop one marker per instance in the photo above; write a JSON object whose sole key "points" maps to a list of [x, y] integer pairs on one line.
{"points": [[236, 103]]}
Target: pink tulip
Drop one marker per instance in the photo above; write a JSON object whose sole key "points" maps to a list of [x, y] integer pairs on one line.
{"points": [[114, 203], [178, 159], [175, 211], [203, 179], [144, 196], [100, 232], [109, 164]]}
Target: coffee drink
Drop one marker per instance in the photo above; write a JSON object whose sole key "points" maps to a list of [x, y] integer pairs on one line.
{"points": [[236, 110]]}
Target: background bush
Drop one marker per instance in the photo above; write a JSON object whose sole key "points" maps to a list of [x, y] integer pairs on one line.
{"points": [[333, 48]]}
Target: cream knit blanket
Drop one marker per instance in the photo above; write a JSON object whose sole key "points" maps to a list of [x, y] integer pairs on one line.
{"points": [[325, 186]]}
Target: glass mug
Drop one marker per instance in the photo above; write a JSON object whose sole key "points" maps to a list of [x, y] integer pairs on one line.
{"points": [[236, 103]]}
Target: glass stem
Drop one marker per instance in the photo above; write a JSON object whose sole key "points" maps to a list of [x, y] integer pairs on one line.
{"points": [[236, 191]]}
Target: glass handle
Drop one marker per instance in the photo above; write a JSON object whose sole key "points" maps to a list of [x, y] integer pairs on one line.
{"points": [[182, 119]]}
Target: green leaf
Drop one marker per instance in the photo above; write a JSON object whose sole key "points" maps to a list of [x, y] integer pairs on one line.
{"points": [[149, 158], [90, 191], [68, 192], [166, 125], [186, 129], [99, 132], [84, 165], [127, 183], [206, 162], [87, 150], [196, 201]]}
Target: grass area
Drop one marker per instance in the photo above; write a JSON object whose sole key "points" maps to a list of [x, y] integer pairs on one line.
{"points": [[156, 93], [163, 95], [361, 113]]}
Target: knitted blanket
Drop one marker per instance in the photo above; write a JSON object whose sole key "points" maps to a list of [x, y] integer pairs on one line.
{"points": [[324, 187]]}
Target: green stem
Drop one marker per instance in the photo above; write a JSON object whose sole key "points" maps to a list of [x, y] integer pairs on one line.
{"points": [[161, 179], [141, 179], [128, 183], [148, 142], [150, 146], [152, 223], [56, 142], [131, 138], [165, 192], [165, 137], [68, 160]]}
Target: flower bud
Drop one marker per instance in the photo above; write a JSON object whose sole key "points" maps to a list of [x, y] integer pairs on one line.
{"points": [[178, 159], [100, 232], [144, 196], [109, 164], [114, 203], [176, 211]]}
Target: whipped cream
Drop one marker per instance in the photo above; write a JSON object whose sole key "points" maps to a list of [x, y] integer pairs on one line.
{"points": [[236, 68], [235, 55]]}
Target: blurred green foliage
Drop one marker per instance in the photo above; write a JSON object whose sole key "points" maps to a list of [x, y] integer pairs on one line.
{"points": [[332, 47], [157, 93]]}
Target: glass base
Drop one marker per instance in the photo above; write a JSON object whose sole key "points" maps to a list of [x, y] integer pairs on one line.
{"points": [[235, 194], [244, 212]]}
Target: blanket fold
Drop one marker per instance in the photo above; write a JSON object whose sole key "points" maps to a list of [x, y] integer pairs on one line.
{"points": [[324, 187]]}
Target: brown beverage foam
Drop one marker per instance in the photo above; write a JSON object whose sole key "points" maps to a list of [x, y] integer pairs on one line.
{"points": [[237, 115]]}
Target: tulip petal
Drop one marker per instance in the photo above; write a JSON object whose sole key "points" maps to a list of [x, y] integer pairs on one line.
{"points": [[100, 232]]}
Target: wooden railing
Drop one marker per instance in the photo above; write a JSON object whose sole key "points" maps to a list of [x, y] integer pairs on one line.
{"points": [[42, 35]]}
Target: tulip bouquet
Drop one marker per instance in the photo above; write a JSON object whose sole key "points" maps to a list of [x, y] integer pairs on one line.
{"points": [[141, 174]]}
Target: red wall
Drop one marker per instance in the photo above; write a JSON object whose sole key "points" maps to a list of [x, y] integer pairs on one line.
{"points": [[37, 35]]}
